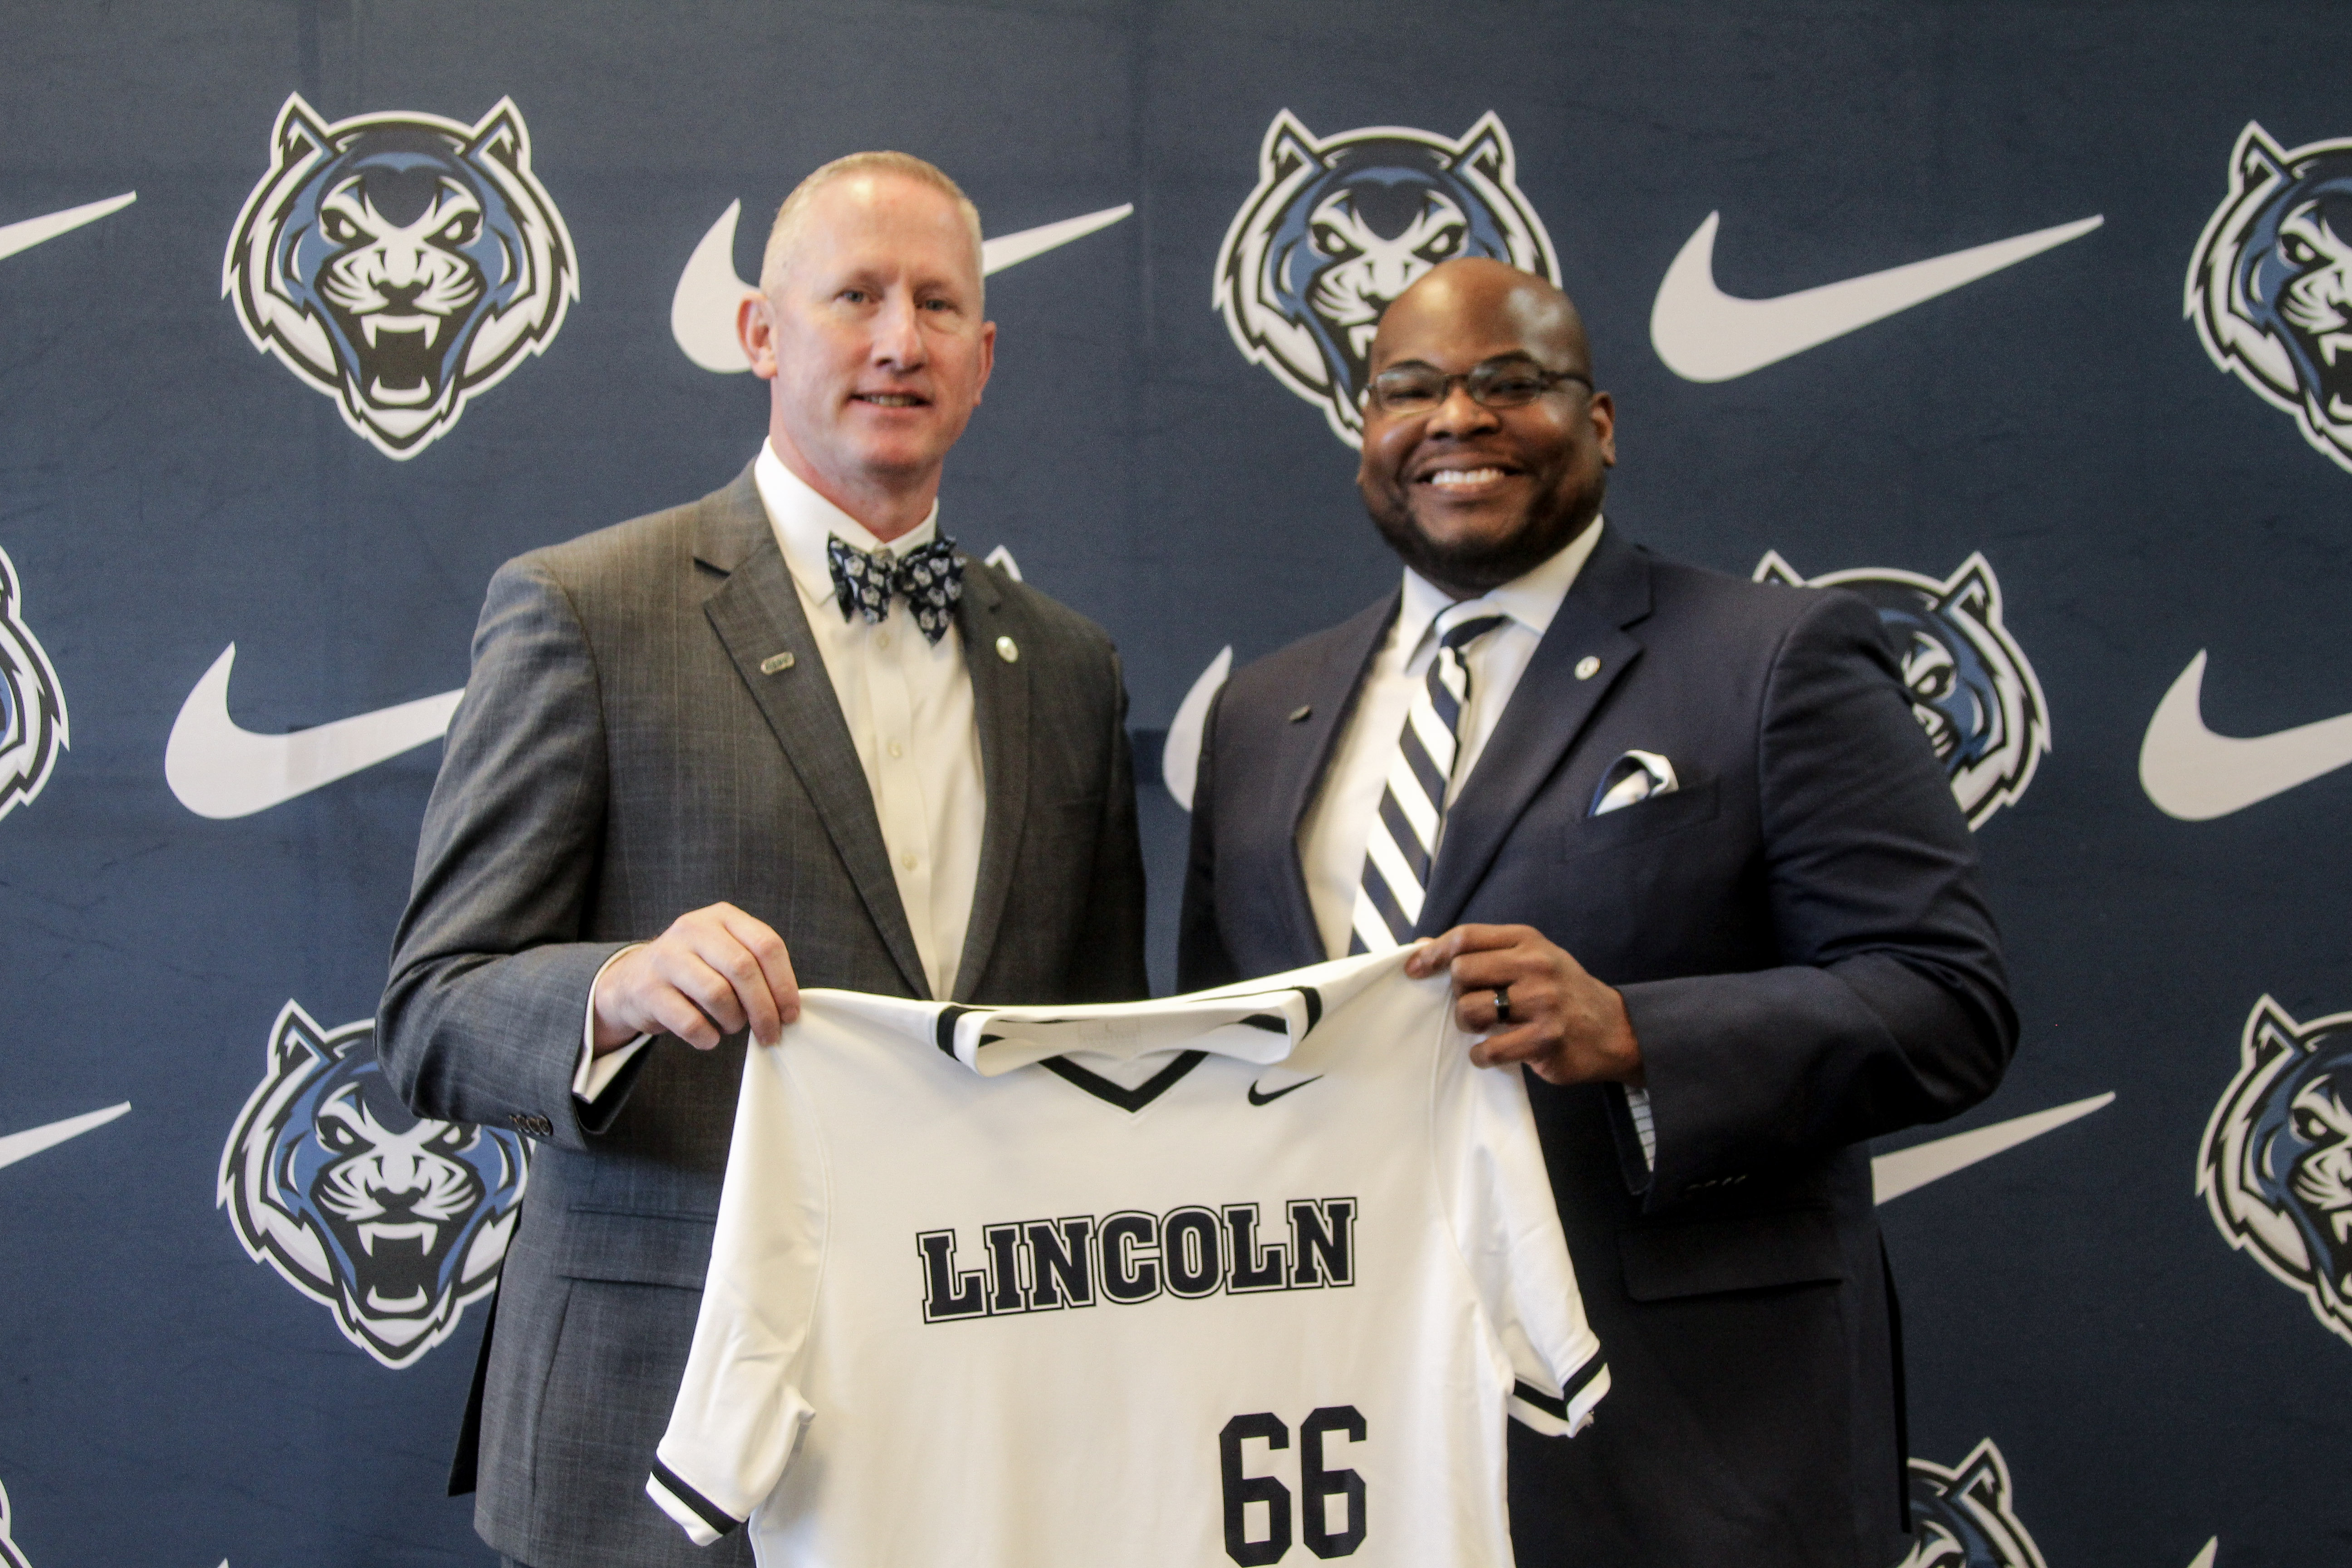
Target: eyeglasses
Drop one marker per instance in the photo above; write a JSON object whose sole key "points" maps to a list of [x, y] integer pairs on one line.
{"points": [[1498, 384]]}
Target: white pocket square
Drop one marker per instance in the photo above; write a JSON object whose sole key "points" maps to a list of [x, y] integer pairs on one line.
{"points": [[1632, 778]]}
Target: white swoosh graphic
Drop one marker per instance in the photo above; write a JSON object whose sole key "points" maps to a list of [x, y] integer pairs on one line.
{"points": [[1704, 335], [1180, 759], [32, 231], [33, 1139], [2202, 1559], [2195, 776], [1908, 1170], [702, 311], [220, 770]]}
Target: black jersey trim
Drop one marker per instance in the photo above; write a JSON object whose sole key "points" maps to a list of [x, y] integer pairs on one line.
{"points": [[943, 1031], [712, 1514], [1526, 1393], [1275, 1023], [1126, 1098]]}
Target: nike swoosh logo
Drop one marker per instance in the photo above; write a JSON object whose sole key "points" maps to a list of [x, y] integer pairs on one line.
{"points": [[1908, 1170], [220, 770], [2195, 776], [1704, 335], [702, 310], [1179, 757], [32, 231], [33, 1139], [1257, 1099]]}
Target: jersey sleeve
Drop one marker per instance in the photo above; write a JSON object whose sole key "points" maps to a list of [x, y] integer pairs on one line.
{"points": [[1498, 1202], [739, 1408]]}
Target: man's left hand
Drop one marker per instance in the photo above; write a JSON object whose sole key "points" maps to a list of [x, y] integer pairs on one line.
{"points": [[1564, 1023]]}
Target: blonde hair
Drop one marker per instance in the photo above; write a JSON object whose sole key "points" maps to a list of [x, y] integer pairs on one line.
{"points": [[785, 232]]}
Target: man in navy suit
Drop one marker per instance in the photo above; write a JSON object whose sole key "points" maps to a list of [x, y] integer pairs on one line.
{"points": [[1745, 934]]}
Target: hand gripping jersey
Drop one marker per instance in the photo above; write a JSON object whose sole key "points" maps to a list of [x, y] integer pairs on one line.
{"points": [[1248, 1276]]}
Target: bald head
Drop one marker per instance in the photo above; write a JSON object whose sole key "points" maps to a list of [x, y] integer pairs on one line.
{"points": [[1474, 494], [1475, 286]]}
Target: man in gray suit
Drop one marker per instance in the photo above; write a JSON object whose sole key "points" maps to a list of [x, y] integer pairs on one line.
{"points": [[781, 735]]}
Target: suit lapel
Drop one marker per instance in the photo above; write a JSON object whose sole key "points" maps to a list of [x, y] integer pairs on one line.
{"points": [[1000, 706], [757, 615], [1546, 714], [1306, 750]]}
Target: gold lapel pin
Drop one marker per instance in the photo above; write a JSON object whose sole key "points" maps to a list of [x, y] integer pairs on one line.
{"points": [[774, 662], [1587, 668], [1008, 650]]}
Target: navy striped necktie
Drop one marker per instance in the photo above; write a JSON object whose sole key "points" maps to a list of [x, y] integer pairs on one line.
{"points": [[1404, 838]]}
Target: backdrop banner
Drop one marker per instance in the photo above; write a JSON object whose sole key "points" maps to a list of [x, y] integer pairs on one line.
{"points": [[2032, 323]]}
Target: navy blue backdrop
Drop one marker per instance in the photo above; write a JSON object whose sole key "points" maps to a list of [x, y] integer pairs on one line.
{"points": [[2098, 482]]}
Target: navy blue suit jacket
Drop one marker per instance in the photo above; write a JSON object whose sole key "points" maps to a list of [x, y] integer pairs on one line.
{"points": [[1807, 962]]}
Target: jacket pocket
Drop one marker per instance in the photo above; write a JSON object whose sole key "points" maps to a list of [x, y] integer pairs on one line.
{"points": [[1685, 807], [1737, 1252], [636, 1248]]}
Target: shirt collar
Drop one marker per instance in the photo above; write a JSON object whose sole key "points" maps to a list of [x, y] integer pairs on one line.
{"points": [[1261, 1027], [802, 520], [1532, 600]]}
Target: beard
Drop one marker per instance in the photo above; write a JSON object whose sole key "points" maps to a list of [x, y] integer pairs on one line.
{"points": [[1470, 568]]}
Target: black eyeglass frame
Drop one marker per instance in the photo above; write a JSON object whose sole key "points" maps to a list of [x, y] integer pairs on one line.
{"points": [[1491, 370]]}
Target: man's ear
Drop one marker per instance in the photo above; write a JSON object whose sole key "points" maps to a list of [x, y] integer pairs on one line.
{"points": [[987, 358], [755, 329], [1602, 409]]}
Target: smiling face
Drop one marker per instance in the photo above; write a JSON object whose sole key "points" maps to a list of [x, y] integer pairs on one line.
{"points": [[874, 343], [1472, 497]]}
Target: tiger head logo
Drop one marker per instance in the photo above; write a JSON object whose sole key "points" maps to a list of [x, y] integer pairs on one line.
{"points": [[1339, 225], [1963, 1518], [32, 707], [1971, 686], [394, 1221], [2270, 284], [2275, 1166], [400, 263]]}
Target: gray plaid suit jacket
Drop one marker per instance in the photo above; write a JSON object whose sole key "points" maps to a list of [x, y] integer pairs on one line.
{"points": [[627, 749]]}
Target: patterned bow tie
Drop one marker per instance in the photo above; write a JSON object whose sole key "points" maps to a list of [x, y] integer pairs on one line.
{"points": [[930, 578]]}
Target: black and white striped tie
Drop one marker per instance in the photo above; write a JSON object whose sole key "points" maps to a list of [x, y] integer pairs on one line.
{"points": [[1403, 839]]}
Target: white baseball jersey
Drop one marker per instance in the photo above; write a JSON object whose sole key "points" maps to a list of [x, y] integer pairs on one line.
{"points": [[1248, 1276]]}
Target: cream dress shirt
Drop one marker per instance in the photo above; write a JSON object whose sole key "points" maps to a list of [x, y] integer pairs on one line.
{"points": [[908, 706]]}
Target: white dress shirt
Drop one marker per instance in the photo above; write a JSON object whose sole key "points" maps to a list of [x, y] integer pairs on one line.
{"points": [[908, 706], [1332, 836]]}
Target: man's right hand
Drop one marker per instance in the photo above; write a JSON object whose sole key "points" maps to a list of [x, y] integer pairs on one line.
{"points": [[715, 971]]}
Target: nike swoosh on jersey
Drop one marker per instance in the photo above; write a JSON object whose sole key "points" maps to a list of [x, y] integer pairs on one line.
{"points": [[702, 310], [220, 770], [1257, 1099], [1908, 1170], [32, 231], [1704, 334], [33, 1139], [2195, 776]]}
